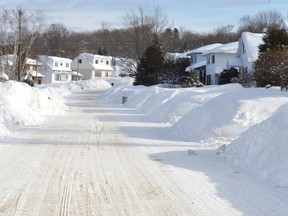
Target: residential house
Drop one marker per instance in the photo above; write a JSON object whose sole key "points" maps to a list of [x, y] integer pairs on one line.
{"points": [[247, 53], [198, 61], [216, 61], [32, 68], [123, 67], [92, 66], [56, 69]]}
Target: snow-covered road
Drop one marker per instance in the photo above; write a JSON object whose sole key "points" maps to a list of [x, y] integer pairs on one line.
{"points": [[103, 160]]}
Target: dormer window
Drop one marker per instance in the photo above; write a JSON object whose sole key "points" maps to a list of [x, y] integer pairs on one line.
{"points": [[96, 61], [107, 62], [56, 64]]}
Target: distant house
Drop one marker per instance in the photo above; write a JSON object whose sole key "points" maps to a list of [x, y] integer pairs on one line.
{"points": [[32, 68], [216, 61], [92, 66], [123, 67], [198, 61], [56, 69], [247, 52]]}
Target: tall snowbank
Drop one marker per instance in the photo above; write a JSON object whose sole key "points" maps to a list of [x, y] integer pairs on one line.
{"points": [[253, 119]]}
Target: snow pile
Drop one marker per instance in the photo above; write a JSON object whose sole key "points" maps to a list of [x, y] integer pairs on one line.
{"points": [[263, 148], [21, 104], [252, 119], [249, 123]]}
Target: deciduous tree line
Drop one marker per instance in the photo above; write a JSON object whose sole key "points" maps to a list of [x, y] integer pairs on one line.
{"points": [[25, 34]]}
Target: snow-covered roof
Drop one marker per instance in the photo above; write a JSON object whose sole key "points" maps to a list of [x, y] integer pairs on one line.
{"points": [[56, 58], [203, 48], [285, 23], [229, 48], [174, 56], [251, 42], [35, 73], [87, 55], [32, 62], [75, 73], [196, 65]]}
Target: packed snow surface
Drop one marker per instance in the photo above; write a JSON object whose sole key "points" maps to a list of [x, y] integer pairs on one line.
{"points": [[231, 135]]}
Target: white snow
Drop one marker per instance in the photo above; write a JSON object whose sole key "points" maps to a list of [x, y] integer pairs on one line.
{"points": [[235, 141], [225, 48]]}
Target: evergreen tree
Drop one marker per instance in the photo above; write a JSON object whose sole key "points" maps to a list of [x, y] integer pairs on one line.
{"points": [[274, 39], [149, 69], [271, 66]]}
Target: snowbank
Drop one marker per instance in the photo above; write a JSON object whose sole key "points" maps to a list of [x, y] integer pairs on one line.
{"points": [[21, 104], [251, 122], [252, 119]]}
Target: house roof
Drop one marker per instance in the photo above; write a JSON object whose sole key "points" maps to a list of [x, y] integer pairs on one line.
{"points": [[196, 65], [251, 42], [35, 74], [229, 48], [285, 23], [32, 62], [89, 55], [95, 56], [203, 48]]}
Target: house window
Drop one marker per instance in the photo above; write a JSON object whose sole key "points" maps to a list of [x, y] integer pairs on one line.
{"points": [[61, 64], [80, 61], [107, 62], [67, 65], [208, 60], [96, 61], [56, 64], [243, 49], [213, 59]]}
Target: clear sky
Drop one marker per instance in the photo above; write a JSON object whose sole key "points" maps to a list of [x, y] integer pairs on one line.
{"points": [[196, 15]]}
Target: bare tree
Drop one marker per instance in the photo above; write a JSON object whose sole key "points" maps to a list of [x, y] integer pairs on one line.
{"points": [[19, 30], [144, 25], [260, 21], [56, 39]]}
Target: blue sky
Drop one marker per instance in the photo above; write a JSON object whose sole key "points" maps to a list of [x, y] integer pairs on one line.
{"points": [[196, 15]]}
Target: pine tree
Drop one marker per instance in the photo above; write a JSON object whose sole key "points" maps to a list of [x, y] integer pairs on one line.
{"points": [[148, 70]]}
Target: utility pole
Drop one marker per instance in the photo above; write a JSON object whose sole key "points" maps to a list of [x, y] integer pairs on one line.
{"points": [[19, 51]]}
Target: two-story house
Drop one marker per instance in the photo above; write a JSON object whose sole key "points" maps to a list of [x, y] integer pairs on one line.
{"points": [[216, 61], [198, 61], [91, 66], [55, 69], [32, 68]]}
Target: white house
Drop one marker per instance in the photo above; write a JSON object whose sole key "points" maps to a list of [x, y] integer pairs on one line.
{"points": [[55, 69], [247, 52], [31, 67], [123, 66], [92, 66], [198, 61], [216, 61]]}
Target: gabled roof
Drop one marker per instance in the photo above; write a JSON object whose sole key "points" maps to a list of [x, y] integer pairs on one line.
{"points": [[203, 49], [251, 43], [285, 23], [229, 48]]}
